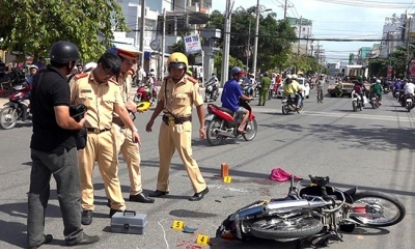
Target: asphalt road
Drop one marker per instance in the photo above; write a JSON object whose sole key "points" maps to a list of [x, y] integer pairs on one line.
{"points": [[372, 149]]}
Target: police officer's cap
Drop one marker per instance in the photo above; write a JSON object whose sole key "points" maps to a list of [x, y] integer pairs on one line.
{"points": [[63, 52]]}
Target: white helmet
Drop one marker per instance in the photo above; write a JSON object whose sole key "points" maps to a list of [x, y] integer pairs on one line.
{"points": [[289, 76], [90, 66], [378, 81], [295, 76], [33, 66]]}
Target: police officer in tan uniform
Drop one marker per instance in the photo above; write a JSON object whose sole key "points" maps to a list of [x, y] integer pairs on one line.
{"points": [[123, 137], [177, 95], [103, 98]]}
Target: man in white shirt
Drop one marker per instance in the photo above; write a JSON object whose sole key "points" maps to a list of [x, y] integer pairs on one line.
{"points": [[409, 88]]}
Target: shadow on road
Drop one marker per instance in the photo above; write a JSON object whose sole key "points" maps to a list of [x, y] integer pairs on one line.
{"points": [[13, 233]]}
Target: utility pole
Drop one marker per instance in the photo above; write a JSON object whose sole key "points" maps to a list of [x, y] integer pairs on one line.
{"points": [[256, 40], [163, 44], [143, 27], [226, 41], [248, 49], [408, 31], [306, 46], [299, 34], [285, 7]]}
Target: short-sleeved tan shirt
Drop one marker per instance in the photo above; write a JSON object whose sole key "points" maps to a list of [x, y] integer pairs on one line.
{"points": [[124, 83], [98, 98], [180, 96]]}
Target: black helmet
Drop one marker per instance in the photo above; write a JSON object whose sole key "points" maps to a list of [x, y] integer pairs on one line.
{"points": [[63, 52], [236, 70]]}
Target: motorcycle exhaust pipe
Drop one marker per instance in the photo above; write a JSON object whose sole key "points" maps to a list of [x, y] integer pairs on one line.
{"points": [[289, 206]]}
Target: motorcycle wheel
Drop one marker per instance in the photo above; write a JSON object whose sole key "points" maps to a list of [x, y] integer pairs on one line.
{"points": [[251, 130], [354, 107], [301, 109], [8, 118], [359, 198], [212, 138], [295, 228], [284, 111]]}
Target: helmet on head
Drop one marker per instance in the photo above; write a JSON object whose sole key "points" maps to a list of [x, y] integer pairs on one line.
{"points": [[377, 81], [360, 77], [266, 74], [63, 52], [289, 76], [178, 61], [237, 70], [294, 76], [90, 66], [33, 67], [132, 55]]}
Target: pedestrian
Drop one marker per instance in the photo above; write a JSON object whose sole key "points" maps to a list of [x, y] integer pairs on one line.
{"points": [[53, 150], [320, 88], [264, 92], [102, 98], [177, 95], [123, 136]]}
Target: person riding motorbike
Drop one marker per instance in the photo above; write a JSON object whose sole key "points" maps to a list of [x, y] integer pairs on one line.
{"points": [[232, 94], [293, 87], [397, 86], [360, 88], [376, 89], [409, 89]]}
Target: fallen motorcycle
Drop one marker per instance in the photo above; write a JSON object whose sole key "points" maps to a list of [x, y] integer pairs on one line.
{"points": [[316, 213]]}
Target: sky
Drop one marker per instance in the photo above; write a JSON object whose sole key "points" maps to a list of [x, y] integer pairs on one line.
{"points": [[356, 19]]}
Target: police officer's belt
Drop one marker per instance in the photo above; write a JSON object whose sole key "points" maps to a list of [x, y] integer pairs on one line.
{"points": [[172, 120], [97, 131]]}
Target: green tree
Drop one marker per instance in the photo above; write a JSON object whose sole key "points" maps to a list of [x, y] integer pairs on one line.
{"points": [[275, 37], [33, 26], [233, 62]]}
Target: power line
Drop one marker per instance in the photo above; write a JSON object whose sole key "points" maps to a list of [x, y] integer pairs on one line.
{"points": [[368, 4]]}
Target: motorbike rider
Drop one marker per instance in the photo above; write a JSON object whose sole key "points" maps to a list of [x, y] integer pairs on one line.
{"points": [[232, 94], [360, 88], [409, 89], [376, 89], [293, 87], [397, 86]]}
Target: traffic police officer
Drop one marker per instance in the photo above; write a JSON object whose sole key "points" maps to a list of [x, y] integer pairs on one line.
{"points": [[177, 95], [102, 97], [122, 133]]}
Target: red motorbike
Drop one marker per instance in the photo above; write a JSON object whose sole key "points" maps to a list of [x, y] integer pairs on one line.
{"points": [[145, 93], [222, 123], [16, 109]]}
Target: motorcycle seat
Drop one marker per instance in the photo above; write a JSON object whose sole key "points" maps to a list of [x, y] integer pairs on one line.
{"points": [[226, 110], [319, 180]]}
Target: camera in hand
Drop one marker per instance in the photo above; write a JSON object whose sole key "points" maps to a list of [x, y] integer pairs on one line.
{"points": [[77, 112]]}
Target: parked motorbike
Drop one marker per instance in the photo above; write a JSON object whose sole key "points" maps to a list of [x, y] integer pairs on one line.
{"points": [[316, 213], [222, 123], [357, 102], [212, 90], [409, 102], [145, 93], [287, 105], [13, 110]]}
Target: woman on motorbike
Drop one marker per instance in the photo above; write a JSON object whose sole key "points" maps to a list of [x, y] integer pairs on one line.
{"points": [[376, 90]]}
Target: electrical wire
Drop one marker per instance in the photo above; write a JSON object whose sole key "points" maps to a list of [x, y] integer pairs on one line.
{"points": [[368, 4]]}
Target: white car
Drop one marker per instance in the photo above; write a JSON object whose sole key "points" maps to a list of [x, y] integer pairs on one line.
{"points": [[304, 85]]}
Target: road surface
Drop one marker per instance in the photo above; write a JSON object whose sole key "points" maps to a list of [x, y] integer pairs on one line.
{"points": [[372, 149]]}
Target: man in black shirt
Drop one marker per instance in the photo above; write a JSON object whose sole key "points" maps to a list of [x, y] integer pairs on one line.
{"points": [[53, 150]]}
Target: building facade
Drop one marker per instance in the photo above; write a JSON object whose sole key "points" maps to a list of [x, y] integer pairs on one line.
{"points": [[303, 29], [393, 34]]}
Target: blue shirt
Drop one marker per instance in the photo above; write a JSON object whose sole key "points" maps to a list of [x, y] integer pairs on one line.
{"points": [[231, 94], [398, 85]]}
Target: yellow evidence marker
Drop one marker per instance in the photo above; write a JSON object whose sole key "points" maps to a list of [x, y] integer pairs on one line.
{"points": [[227, 179], [178, 225], [202, 240]]}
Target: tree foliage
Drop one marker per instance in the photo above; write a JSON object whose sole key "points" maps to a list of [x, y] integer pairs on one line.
{"points": [[274, 42], [32, 26]]}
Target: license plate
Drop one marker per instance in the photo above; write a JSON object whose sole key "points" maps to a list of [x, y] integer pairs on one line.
{"points": [[209, 117]]}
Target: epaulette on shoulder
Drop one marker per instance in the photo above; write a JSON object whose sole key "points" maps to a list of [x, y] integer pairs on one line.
{"points": [[112, 80], [80, 76], [191, 79]]}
